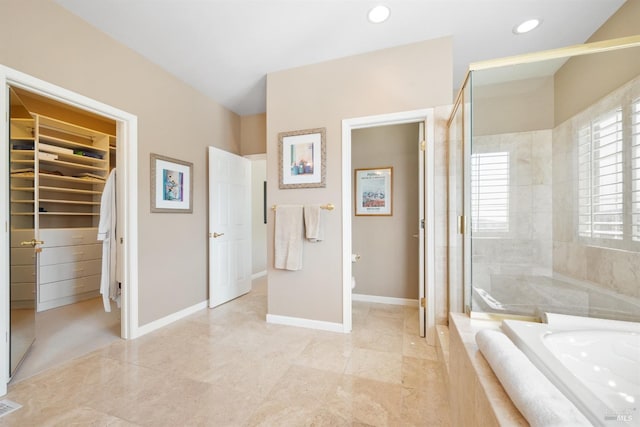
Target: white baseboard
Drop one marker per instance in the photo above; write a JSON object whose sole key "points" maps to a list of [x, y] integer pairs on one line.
{"points": [[305, 323], [384, 300], [157, 324], [258, 275]]}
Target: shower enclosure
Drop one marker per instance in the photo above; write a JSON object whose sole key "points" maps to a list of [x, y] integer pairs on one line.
{"points": [[544, 184]]}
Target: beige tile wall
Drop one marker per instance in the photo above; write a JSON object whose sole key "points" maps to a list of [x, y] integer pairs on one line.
{"points": [[476, 397]]}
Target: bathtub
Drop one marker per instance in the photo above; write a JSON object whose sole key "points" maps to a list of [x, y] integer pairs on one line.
{"points": [[594, 362]]}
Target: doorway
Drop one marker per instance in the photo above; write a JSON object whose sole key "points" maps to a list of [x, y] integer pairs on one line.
{"points": [[126, 132], [426, 256]]}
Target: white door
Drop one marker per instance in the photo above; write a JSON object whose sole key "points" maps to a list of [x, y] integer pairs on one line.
{"points": [[229, 226]]}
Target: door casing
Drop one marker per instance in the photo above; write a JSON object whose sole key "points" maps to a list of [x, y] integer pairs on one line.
{"points": [[415, 116], [127, 161]]}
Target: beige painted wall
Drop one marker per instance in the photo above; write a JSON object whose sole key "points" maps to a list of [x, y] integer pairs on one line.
{"points": [[253, 134], [258, 227], [513, 106], [585, 79], [44, 40], [405, 78], [389, 263]]}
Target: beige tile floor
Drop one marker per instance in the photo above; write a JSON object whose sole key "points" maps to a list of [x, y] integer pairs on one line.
{"points": [[228, 367]]}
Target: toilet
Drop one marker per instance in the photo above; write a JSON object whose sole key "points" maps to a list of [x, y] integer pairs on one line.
{"points": [[354, 258]]}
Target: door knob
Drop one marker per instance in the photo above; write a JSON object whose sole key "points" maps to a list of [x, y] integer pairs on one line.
{"points": [[216, 235], [32, 243]]}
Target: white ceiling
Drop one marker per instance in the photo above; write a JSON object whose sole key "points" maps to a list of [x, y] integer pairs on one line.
{"points": [[225, 48]]}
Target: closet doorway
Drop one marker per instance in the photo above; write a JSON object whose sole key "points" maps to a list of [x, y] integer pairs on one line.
{"points": [[59, 150]]}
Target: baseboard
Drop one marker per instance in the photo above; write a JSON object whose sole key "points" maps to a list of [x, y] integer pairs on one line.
{"points": [[258, 275], [305, 323], [384, 300], [167, 320]]}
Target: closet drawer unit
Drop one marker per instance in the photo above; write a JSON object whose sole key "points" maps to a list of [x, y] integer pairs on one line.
{"points": [[69, 270], [23, 273], [65, 254], [23, 256], [68, 236], [67, 288]]}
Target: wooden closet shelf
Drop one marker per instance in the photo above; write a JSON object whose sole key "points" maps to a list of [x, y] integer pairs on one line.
{"points": [[68, 190], [69, 202], [70, 213], [71, 165], [74, 179]]}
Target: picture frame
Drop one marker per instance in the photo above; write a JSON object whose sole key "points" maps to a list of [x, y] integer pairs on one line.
{"points": [[171, 185], [374, 191], [302, 157]]}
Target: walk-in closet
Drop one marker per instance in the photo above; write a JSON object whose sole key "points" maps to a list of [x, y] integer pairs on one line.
{"points": [[60, 158]]}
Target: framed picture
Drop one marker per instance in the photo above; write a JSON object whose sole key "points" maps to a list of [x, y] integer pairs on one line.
{"points": [[302, 156], [373, 193], [171, 185]]}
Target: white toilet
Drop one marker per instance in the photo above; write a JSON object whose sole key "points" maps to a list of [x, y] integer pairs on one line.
{"points": [[354, 258]]}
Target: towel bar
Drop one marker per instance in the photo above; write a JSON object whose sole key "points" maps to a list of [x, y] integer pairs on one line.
{"points": [[327, 207]]}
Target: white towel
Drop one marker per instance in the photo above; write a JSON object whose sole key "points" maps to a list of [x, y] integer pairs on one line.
{"points": [[314, 223], [288, 237], [109, 286], [539, 401]]}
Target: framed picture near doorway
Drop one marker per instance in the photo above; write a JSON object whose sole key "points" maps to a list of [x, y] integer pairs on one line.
{"points": [[302, 156], [171, 185], [373, 193]]}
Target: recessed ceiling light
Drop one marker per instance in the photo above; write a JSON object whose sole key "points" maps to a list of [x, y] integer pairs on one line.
{"points": [[526, 26], [379, 14]]}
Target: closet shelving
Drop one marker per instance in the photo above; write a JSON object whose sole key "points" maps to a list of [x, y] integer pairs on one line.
{"points": [[73, 163], [22, 170], [59, 164]]}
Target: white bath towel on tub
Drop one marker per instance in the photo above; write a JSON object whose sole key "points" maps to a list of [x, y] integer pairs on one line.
{"points": [[288, 237], [539, 401]]}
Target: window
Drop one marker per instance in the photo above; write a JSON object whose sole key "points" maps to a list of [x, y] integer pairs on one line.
{"points": [[609, 176], [635, 170], [600, 177], [490, 192]]}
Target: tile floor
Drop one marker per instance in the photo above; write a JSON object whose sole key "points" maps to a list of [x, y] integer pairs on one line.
{"points": [[228, 367]]}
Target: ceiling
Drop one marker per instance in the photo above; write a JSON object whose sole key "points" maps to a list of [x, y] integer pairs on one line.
{"points": [[225, 48]]}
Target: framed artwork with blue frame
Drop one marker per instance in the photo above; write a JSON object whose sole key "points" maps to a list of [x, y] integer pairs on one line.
{"points": [[171, 185]]}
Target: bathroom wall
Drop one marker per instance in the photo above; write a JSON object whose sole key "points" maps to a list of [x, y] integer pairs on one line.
{"points": [[44, 40], [258, 227], [389, 251], [404, 78], [585, 79], [253, 134]]}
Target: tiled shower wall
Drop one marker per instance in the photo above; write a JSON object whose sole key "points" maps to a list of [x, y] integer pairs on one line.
{"points": [[527, 247], [612, 269]]}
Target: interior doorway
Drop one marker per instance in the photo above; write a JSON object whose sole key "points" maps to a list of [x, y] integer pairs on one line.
{"points": [[126, 239], [426, 255]]}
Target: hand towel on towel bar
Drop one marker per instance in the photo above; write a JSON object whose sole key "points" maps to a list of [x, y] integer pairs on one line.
{"points": [[288, 237], [313, 223]]}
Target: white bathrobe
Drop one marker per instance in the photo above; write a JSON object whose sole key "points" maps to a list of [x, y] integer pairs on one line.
{"points": [[109, 286]]}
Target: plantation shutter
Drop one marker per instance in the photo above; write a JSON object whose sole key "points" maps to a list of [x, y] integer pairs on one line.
{"points": [[490, 192], [600, 181], [635, 170]]}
